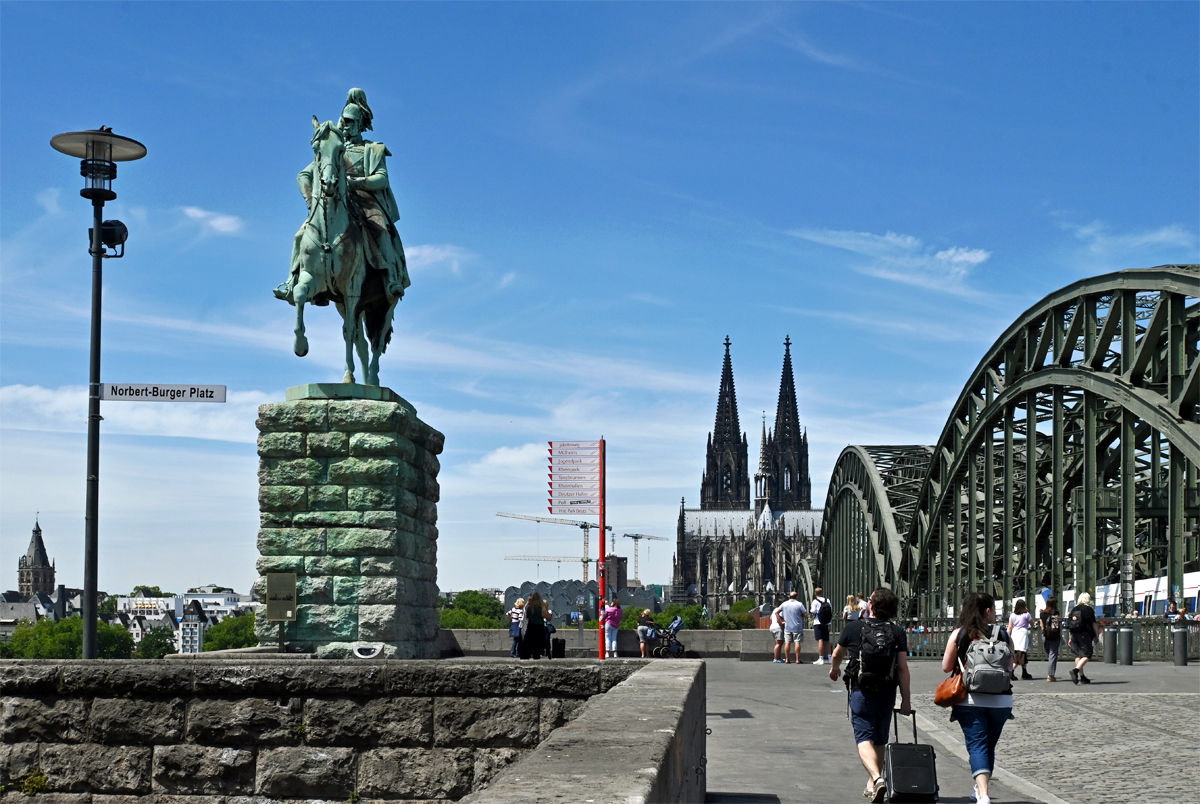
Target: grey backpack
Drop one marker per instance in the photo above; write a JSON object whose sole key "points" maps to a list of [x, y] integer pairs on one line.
{"points": [[988, 662]]}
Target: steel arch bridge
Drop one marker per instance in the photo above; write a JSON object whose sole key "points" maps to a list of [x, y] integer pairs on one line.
{"points": [[1069, 459]]}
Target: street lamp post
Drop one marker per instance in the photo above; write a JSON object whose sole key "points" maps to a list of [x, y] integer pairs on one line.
{"points": [[100, 151]]}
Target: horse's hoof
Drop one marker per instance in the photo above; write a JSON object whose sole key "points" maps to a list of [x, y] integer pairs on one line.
{"points": [[301, 346], [349, 377]]}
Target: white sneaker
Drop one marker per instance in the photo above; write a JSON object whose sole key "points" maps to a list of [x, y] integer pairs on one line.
{"points": [[820, 661]]}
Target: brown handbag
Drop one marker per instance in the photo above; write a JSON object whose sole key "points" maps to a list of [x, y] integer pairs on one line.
{"points": [[952, 690]]}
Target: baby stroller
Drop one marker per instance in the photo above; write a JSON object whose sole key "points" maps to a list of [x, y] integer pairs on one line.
{"points": [[670, 646]]}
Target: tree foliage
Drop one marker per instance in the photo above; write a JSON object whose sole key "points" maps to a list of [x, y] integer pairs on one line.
{"points": [[232, 632], [64, 640], [747, 605], [108, 606], [479, 604], [156, 643]]}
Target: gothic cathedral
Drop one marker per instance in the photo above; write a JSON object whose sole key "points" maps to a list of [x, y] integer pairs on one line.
{"points": [[728, 549]]}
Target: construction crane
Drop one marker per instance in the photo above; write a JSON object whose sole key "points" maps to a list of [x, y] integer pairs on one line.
{"points": [[585, 526], [637, 537], [557, 559]]}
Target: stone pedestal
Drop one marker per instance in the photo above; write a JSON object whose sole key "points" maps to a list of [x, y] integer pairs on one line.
{"points": [[348, 499]]}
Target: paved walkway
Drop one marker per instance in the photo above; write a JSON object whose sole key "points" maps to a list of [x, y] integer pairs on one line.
{"points": [[780, 734]]}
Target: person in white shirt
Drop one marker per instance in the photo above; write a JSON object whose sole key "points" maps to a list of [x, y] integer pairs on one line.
{"points": [[777, 632], [793, 626], [821, 628], [862, 605]]}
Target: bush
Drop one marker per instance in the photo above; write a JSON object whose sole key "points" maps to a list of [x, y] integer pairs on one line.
{"points": [[64, 640], [157, 643], [458, 618], [479, 604], [232, 632], [722, 622], [747, 605], [693, 616]]}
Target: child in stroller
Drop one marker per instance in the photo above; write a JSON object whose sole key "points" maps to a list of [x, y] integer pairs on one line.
{"points": [[669, 646]]}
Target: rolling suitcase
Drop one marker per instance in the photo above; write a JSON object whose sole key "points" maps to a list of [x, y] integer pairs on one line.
{"points": [[909, 768]]}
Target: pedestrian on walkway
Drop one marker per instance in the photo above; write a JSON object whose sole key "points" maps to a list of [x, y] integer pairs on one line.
{"points": [[862, 604], [872, 678], [1084, 630], [793, 626], [1051, 622], [534, 641], [983, 714], [645, 623], [1019, 623], [822, 612], [777, 632], [851, 610], [610, 618], [514, 626]]}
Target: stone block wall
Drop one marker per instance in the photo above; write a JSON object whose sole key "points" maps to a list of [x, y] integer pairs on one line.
{"points": [[348, 498], [207, 732]]}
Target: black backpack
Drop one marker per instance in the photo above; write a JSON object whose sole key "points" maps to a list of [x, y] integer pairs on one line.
{"points": [[878, 656], [1076, 620], [825, 612], [1052, 626]]}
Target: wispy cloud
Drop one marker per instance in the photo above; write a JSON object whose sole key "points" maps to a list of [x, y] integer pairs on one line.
{"points": [[48, 200], [508, 279], [1101, 241], [64, 410], [215, 222], [426, 257], [646, 298], [914, 328], [804, 46], [904, 258]]}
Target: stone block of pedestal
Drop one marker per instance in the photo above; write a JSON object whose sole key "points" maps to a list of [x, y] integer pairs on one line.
{"points": [[348, 497]]}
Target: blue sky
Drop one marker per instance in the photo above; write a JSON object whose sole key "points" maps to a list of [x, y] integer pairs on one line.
{"points": [[592, 197]]}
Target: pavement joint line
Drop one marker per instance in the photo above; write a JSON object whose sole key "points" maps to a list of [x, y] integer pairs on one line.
{"points": [[1004, 777]]}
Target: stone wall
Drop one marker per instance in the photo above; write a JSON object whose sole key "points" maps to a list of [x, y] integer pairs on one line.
{"points": [[348, 498], [751, 645], [644, 741], [197, 732]]}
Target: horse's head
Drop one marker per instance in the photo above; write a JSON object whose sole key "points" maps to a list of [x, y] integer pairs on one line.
{"points": [[328, 154]]}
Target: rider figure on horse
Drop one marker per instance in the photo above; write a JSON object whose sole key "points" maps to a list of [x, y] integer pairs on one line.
{"points": [[372, 205]]}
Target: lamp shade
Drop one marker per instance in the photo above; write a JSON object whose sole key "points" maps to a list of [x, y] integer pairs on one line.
{"points": [[74, 143]]}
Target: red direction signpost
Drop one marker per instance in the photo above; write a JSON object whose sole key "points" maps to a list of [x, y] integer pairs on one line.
{"points": [[577, 487]]}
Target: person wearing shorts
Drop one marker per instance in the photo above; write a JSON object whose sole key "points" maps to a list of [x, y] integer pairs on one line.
{"points": [[871, 712], [793, 627], [645, 623], [777, 633], [820, 629]]}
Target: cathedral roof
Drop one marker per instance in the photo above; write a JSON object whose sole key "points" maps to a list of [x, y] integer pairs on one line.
{"points": [[35, 556], [724, 523]]}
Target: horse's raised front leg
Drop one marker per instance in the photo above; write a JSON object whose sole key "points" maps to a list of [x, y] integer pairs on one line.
{"points": [[350, 324], [300, 292]]}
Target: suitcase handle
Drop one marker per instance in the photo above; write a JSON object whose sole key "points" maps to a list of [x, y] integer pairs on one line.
{"points": [[896, 722]]}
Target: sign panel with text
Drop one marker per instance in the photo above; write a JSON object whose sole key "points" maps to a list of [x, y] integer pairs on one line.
{"points": [[156, 392], [281, 596]]}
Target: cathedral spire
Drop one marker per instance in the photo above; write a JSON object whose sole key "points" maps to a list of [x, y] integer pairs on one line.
{"points": [[787, 417], [789, 487], [726, 482], [726, 429]]}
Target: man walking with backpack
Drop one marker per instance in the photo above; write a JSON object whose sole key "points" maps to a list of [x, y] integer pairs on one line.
{"points": [[878, 665], [822, 611]]}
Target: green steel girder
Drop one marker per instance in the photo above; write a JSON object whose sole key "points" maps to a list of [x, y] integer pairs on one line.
{"points": [[1075, 441]]}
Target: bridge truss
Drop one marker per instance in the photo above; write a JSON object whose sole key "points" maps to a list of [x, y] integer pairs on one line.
{"points": [[1069, 459]]}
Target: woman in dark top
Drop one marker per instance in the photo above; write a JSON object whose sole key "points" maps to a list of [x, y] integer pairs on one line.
{"points": [[1083, 636], [1051, 622], [533, 627]]}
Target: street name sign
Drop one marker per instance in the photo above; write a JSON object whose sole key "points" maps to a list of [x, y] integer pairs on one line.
{"points": [[157, 392]]}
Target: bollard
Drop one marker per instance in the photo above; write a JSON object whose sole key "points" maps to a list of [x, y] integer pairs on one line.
{"points": [[1125, 644], [1179, 639], [1110, 644]]}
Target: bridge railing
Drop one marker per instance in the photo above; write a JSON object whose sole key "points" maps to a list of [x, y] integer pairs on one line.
{"points": [[1152, 640]]}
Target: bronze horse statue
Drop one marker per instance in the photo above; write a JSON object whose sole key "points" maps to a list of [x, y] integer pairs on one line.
{"points": [[329, 262]]}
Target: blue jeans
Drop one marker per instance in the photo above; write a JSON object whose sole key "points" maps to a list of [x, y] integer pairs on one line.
{"points": [[1052, 648], [610, 639], [981, 727], [871, 715]]}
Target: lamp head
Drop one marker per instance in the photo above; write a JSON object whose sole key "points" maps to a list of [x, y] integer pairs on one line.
{"points": [[100, 150]]}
